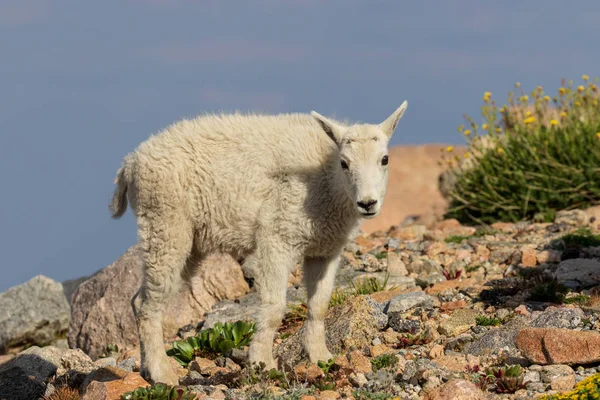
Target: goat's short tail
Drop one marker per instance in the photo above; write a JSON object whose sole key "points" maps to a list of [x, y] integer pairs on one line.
{"points": [[118, 205]]}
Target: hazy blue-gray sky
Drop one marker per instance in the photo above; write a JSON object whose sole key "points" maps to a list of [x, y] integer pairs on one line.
{"points": [[83, 82]]}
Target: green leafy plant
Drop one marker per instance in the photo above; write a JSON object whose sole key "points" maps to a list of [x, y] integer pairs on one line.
{"points": [[160, 391], [483, 320], [326, 366], [506, 379], [214, 341], [529, 159], [384, 361]]}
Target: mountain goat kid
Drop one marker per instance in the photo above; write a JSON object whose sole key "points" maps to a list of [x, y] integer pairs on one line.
{"points": [[272, 190]]}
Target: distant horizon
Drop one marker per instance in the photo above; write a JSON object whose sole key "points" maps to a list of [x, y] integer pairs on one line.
{"points": [[83, 83]]}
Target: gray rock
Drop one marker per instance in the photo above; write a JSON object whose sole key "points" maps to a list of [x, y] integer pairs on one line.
{"points": [[105, 362], [405, 326], [35, 312], [571, 217], [532, 376], [406, 301], [430, 280], [579, 273], [71, 360], [567, 318], [358, 379], [492, 341], [23, 377], [131, 364], [424, 267], [381, 319]]}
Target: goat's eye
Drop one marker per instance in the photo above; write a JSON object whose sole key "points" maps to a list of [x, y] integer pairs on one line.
{"points": [[344, 165], [384, 160]]}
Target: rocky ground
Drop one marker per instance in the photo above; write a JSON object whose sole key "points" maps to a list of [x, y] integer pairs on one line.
{"points": [[459, 303]]}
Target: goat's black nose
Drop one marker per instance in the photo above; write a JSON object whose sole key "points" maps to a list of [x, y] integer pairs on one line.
{"points": [[367, 204]]}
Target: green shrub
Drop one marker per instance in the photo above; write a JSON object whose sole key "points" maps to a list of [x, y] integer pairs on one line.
{"points": [[210, 342], [529, 159], [160, 391]]}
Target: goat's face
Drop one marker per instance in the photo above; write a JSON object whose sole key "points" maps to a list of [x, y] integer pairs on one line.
{"points": [[363, 159]]}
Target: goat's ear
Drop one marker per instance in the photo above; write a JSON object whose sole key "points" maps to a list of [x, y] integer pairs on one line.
{"points": [[389, 125], [333, 130]]}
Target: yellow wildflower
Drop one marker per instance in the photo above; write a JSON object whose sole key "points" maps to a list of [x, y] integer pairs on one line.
{"points": [[449, 149], [580, 88], [598, 135], [498, 130], [500, 150], [467, 132], [563, 114], [595, 102], [529, 120], [484, 127], [467, 155], [553, 122], [486, 96], [577, 104], [585, 77], [518, 84], [547, 98], [525, 98], [562, 90], [502, 110], [528, 113]]}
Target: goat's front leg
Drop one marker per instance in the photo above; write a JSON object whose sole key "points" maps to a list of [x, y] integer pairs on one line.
{"points": [[319, 277], [270, 266]]}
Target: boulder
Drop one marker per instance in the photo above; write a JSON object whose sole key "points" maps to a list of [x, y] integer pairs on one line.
{"points": [[24, 377], [559, 346], [101, 306], [579, 273], [35, 312]]}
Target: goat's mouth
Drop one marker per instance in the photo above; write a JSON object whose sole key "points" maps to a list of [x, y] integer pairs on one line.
{"points": [[365, 214]]}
